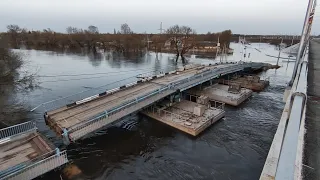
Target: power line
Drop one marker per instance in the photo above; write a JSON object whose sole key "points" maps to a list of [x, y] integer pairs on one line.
{"points": [[75, 79], [62, 80], [89, 74]]}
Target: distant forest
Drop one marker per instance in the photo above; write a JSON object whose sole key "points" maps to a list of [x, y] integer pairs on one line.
{"points": [[181, 38]]}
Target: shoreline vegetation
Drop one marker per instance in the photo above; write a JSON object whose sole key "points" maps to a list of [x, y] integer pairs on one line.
{"points": [[12, 110], [179, 40]]}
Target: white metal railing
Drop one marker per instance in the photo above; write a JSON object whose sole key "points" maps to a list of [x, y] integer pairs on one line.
{"points": [[17, 129], [39, 167], [288, 155]]}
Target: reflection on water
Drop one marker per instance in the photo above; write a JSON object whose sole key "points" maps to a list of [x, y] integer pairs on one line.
{"points": [[141, 148]]}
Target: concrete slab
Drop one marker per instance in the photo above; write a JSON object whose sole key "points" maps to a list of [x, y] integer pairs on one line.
{"points": [[244, 82], [181, 116], [219, 92]]}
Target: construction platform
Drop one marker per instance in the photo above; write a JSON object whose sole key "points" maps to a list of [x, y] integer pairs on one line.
{"points": [[187, 116], [26, 154], [222, 93], [249, 82]]}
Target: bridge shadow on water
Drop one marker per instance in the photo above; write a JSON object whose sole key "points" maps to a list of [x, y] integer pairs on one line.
{"points": [[117, 145]]}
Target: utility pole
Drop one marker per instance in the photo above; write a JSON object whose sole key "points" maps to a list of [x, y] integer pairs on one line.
{"points": [[279, 51], [161, 28], [218, 46], [260, 42], [148, 41]]}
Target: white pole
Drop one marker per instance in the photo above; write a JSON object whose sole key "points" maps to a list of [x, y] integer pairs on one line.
{"points": [[279, 51], [218, 46]]}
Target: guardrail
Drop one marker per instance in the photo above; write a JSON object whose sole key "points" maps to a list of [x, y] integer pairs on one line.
{"points": [[17, 129], [284, 161], [287, 167], [39, 167]]}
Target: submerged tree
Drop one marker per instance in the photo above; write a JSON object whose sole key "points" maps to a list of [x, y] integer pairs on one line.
{"points": [[182, 39], [14, 33]]}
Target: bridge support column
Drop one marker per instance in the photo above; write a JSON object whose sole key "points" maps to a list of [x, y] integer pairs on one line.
{"points": [[171, 99], [65, 137]]}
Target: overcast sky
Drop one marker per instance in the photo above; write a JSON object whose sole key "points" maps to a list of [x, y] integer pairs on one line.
{"points": [[241, 16]]}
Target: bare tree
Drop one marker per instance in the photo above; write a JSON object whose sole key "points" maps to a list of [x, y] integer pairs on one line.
{"points": [[12, 28], [182, 39], [93, 29], [125, 29], [74, 30], [14, 31]]}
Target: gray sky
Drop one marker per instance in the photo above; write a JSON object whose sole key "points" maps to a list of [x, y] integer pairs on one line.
{"points": [[241, 16]]}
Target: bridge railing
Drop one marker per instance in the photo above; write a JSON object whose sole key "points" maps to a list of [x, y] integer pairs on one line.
{"points": [[37, 168], [284, 161], [287, 166], [17, 129]]}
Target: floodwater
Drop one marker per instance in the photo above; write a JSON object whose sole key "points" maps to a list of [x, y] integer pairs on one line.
{"points": [[141, 148]]}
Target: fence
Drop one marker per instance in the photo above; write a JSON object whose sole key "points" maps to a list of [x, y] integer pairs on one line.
{"points": [[17, 129]]}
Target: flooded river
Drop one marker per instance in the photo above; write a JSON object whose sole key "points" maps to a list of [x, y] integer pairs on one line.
{"points": [[142, 148]]}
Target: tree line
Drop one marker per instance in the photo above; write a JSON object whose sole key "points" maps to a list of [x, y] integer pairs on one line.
{"points": [[180, 38]]}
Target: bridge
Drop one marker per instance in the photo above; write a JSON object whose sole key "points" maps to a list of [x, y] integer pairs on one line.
{"points": [[75, 120], [293, 155]]}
